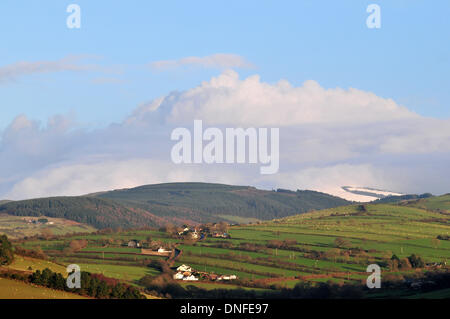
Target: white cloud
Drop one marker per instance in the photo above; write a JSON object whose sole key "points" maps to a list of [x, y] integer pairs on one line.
{"points": [[12, 72], [214, 61], [79, 179], [420, 136], [226, 99], [329, 138]]}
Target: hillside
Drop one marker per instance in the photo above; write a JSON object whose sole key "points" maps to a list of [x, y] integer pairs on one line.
{"points": [[18, 227], [179, 203], [100, 213], [401, 198], [437, 203], [332, 245], [205, 202], [13, 289]]}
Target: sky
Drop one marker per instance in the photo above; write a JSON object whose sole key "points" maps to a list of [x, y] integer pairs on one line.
{"points": [[90, 109]]}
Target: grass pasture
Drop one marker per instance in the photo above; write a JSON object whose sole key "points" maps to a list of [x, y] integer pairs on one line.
{"points": [[19, 227], [12, 289], [126, 273], [32, 264], [369, 234]]}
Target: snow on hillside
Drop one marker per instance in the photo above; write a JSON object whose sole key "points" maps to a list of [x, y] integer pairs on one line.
{"points": [[364, 194]]}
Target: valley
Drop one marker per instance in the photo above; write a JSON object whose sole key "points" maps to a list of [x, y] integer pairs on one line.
{"points": [[332, 246]]}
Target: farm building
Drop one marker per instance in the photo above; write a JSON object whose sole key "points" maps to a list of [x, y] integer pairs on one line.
{"points": [[184, 231], [190, 278], [221, 235], [227, 277], [184, 268], [213, 277], [178, 276], [134, 243]]}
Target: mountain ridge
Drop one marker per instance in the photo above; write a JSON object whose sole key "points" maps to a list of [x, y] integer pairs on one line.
{"points": [[178, 203]]}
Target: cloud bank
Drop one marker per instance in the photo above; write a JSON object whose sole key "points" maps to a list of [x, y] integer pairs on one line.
{"points": [[328, 138]]}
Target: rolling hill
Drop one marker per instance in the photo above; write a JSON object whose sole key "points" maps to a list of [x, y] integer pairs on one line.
{"points": [[100, 213], [19, 227], [401, 198], [320, 248], [435, 203], [14, 289], [153, 205]]}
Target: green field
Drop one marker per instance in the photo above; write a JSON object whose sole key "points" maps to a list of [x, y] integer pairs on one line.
{"points": [[19, 227], [32, 264], [12, 289], [127, 273], [433, 203], [369, 234]]}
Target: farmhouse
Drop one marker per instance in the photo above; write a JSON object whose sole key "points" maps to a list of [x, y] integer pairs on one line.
{"points": [[212, 277], [227, 277], [134, 243], [184, 268], [184, 231], [163, 250], [221, 235], [186, 273], [178, 276], [159, 252], [190, 278]]}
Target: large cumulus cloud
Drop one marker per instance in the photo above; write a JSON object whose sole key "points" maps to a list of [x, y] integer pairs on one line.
{"points": [[328, 138]]}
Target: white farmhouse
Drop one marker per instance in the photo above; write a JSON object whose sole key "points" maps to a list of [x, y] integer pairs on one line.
{"points": [[190, 278], [178, 276], [184, 268]]}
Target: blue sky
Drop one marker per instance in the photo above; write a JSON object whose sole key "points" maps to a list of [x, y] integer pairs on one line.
{"points": [[84, 110], [326, 41]]}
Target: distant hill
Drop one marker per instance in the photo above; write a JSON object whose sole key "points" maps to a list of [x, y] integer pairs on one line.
{"points": [[100, 213], [434, 203], [179, 203], [201, 201], [396, 199]]}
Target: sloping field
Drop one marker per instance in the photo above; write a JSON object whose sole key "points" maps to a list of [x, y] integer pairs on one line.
{"points": [[12, 289], [335, 244], [32, 264], [20, 226], [433, 203]]}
